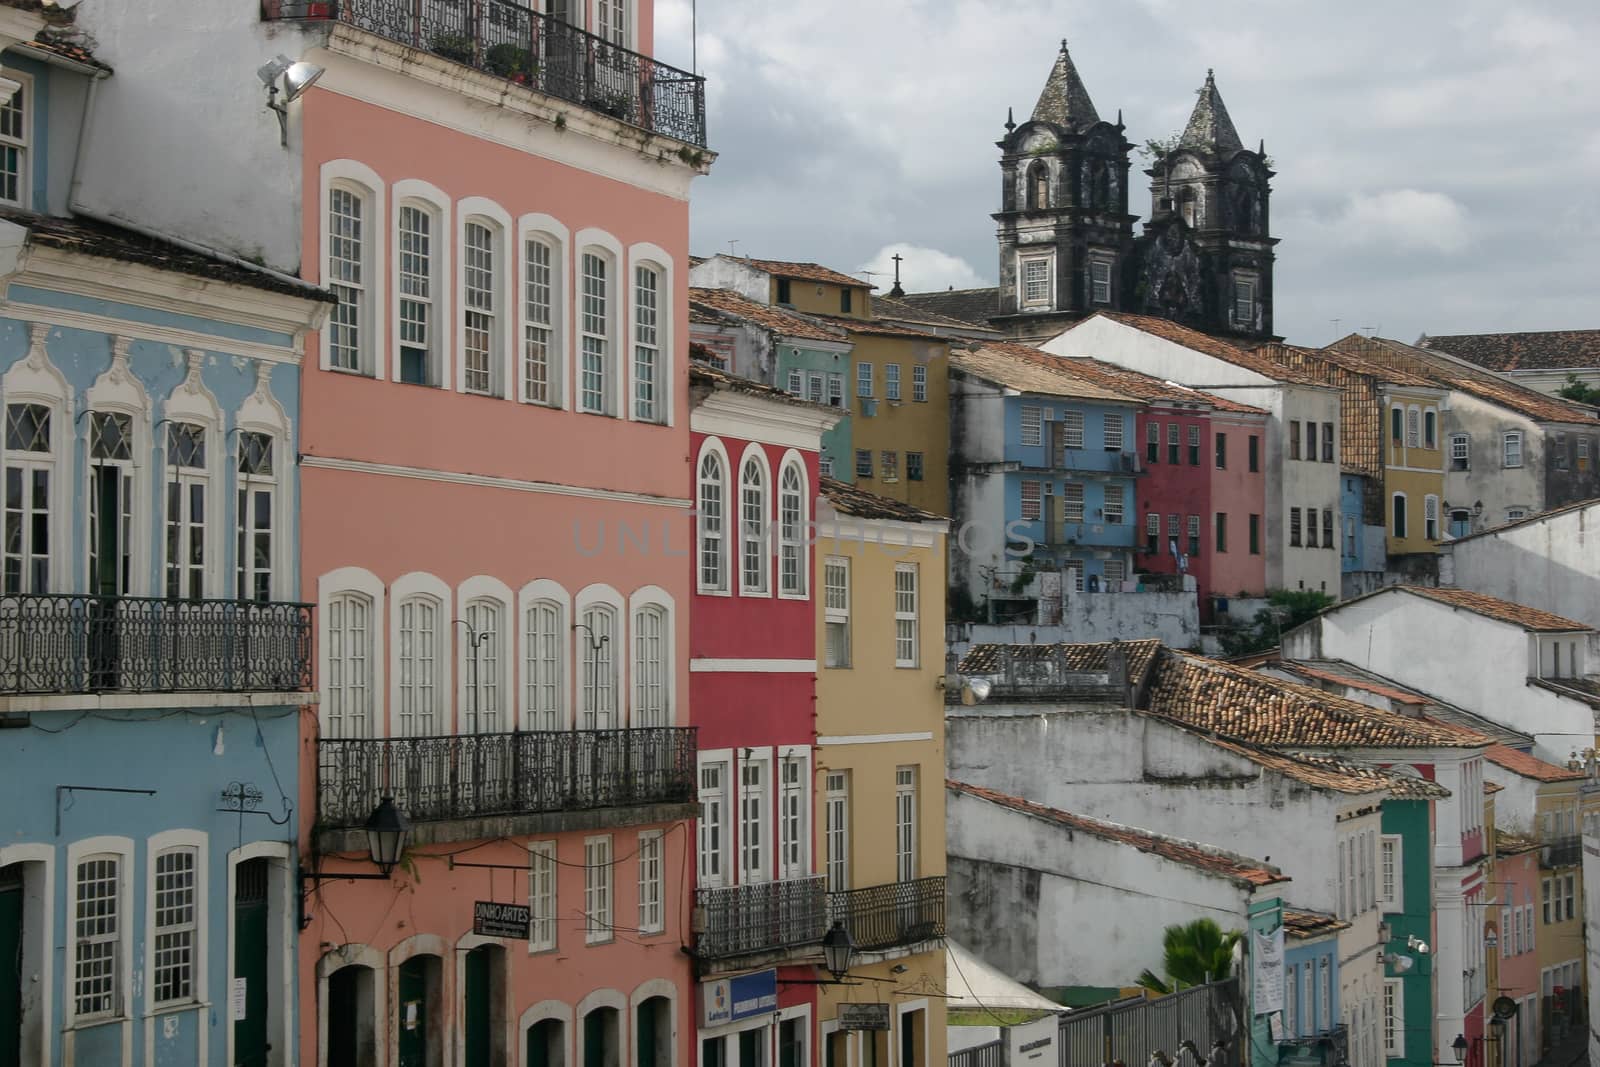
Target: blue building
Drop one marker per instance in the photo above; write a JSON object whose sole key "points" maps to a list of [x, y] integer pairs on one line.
{"points": [[153, 663], [1044, 472], [1310, 1030]]}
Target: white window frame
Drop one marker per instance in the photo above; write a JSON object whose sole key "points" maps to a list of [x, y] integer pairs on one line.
{"points": [[713, 835], [549, 232], [1430, 517], [1099, 280], [599, 243], [1071, 429], [1031, 426], [1508, 439], [197, 929], [906, 823], [863, 379], [919, 383], [261, 413], [598, 903], [78, 852], [1461, 448], [755, 540], [1042, 298], [600, 615], [891, 381], [660, 261], [543, 897], [709, 538], [1031, 500], [1391, 863], [836, 829], [794, 525], [1244, 299], [1112, 426], [653, 685], [35, 380], [418, 589], [835, 613], [1413, 426], [907, 640], [546, 657], [346, 585], [652, 882], [22, 143], [478, 211], [754, 809], [1114, 504], [1394, 1018], [117, 393], [181, 579], [364, 182], [421, 195], [792, 784], [1072, 502], [192, 403], [490, 680]]}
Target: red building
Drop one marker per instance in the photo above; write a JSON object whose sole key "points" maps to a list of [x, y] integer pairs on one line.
{"points": [[1203, 493], [761, 910]]}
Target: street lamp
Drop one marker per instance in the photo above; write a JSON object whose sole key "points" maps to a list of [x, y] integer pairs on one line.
{"points": [[1459, 1047], [388, 830], [836, 951]]}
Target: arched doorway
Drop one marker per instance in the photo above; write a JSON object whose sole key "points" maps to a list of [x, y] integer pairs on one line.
{"points": [[419, 1028], [547, 1043], [351, 992]]}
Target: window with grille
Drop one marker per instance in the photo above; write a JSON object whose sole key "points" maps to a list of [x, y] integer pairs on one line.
{"points": [[650, 667], [863, 463], [914, 469], [111, 506], [540, 353], [1194, 535], [172, 963], [485, 688], [349, 321], [905, 823], [825, 466], [1032, 425], [595, 335], [864, 379], [836, 390], [29, 460], [1394, 1027], [1072, 502], [713, 823], [1074, 574], [836, 610], [905, 615], [347, 687], [890, 461], [1413, 428], [646, 345], [1113, 512], [1430, 517], [597, 923], [791, 531], [480, 310], [596, 640], [1244, 301], [919, 383], [542, 895], [415, 251], [792, 807], [611, 22], [1113, 431], [544, 646], [97, 938], [1390, 887], [753, 528], [814, 388], [418, 663], [257, 488], [1172, 442], [1294, 526], [1194, 446], [891, 381], [1152, 442], [709, 524], [753, 817], [1032, 497], [1152, 532], [651, 883], [1071, 429], [188, 482], [836, 833]]}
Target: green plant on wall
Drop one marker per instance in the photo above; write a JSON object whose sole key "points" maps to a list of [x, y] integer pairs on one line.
{"points": [[455, 46], [1192, 954], [510, 61]]}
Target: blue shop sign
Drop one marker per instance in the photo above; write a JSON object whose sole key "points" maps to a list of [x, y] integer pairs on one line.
{"points": [[728, 1000]]}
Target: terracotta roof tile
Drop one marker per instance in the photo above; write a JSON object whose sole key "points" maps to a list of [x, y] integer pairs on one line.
{"points": [[1541, 350], [1302, 925], [1211, 346], [976, 306], [879, 329], [1399, 696], [709, 377], [1535, 620], [808, 272], [1147, 387], [725, 304], [1327, 771], [1412, 787], [1089, 658], [1507, 843], [1521, 763], [1018, 367], [1249, 706], [65, 47], [1491, 788], [890, 309], [1241, 870], [1573, 688], [851, 500]]}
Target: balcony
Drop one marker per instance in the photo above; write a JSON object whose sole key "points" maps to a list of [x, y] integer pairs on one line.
{"points": [[761, 919], [547, 55], [884, 917], [465, 786], [74, 644], [1560, 852]]}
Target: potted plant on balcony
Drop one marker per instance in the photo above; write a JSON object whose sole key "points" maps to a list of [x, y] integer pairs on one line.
{"points": [[511, 62], [298, 9], [455, 46]]}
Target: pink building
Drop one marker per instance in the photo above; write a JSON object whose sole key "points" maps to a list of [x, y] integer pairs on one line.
{"points": [[761, 904], [495, 477]]}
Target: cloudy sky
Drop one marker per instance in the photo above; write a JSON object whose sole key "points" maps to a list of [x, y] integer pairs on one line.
{"points": [[1438, 162]]}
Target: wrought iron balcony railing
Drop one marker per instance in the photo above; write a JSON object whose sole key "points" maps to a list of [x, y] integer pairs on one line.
{"points": [[741, 920], [514, 42], [68, 643], [466, 776], [1561, 852], [889, 916]]}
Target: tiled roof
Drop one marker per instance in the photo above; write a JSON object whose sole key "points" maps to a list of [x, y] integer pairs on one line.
{"points": [[1241, 870], [90, 238], [1507, 843], [850, 500], [991, 659], [1019, 367], [1573, 688], [1535, 620], [66, 48], [1576, 505], [1399, 696], [1540, 350], [1491, 788], [1327, 771], [1412, 787], [879, 329], [807, 272], [892, 310], [1302, 925], [709, 377], [1521, 763], [1467, 377], [725, 303], [1147, 386], [1244, 704], [1210, 129], [976, 306], [1064, 100], [1211, 346]]}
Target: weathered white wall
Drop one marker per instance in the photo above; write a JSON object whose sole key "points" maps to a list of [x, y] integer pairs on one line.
{"points": [[1173, 618], [1023, 892], [1591, 930], [186, 115], [978, 500], [1461, 657], [1308, 484], [720, 272], [1513, 808], [1500, 488], [1553, 562]]}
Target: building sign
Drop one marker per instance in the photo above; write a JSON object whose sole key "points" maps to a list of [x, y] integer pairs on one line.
{"points": [[501, 920], [1033, 1044], [1267, 973], [863, 1016], [728, 1000]]}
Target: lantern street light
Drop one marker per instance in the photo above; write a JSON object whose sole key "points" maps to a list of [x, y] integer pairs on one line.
{"points": [[388, 833], [836, 951], [1459, 1047]]}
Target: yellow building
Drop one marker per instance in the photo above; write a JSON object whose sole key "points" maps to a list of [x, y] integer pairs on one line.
{"points": [[880, 775]]}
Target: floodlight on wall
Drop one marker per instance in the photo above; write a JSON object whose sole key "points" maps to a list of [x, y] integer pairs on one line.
{"points": [[291, 78]]}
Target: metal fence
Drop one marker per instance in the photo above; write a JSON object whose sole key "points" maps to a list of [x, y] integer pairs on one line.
{"points": [[1560, 852], [761, 916], [1185, 1025], [512, 41], [992, 1054], [887, 916], [469, 775], [68, 643]]}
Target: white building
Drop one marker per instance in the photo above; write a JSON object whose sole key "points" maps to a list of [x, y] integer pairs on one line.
{"points": [[1551, 559]]}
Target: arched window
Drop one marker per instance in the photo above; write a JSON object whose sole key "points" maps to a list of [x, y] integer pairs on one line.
{"points": [[543, 645], [485, 667], [650, 667], [1038, 187], [420, 692], [753, 566], [34, 434], [347, 708], [792, 576], [483, 275], [255, 515], [187, 489], [710, 524], [1188, 207], [597, 639]]}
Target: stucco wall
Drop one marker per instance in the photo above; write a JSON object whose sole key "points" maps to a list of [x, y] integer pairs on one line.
{"points": [[1088, 617], [1499, 487], [1553, 563]]}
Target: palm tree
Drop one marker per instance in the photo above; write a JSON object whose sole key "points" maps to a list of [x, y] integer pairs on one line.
{"points": [[1192, 954]]}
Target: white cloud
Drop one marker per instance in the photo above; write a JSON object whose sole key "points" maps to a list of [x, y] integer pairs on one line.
{"points": [[921, 269], [1404, 218]]}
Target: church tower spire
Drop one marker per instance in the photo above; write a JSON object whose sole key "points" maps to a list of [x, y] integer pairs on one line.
{"points": [[1064, 100]]}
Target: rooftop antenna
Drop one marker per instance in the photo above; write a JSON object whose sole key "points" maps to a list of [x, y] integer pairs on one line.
{"points": [[1371, 330], [731, 252], [694, 38], [1336, 325], [869, 274]]}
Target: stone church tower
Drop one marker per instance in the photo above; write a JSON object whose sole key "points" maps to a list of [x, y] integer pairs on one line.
{"points": [[1065, 233], [1205, 257]]}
